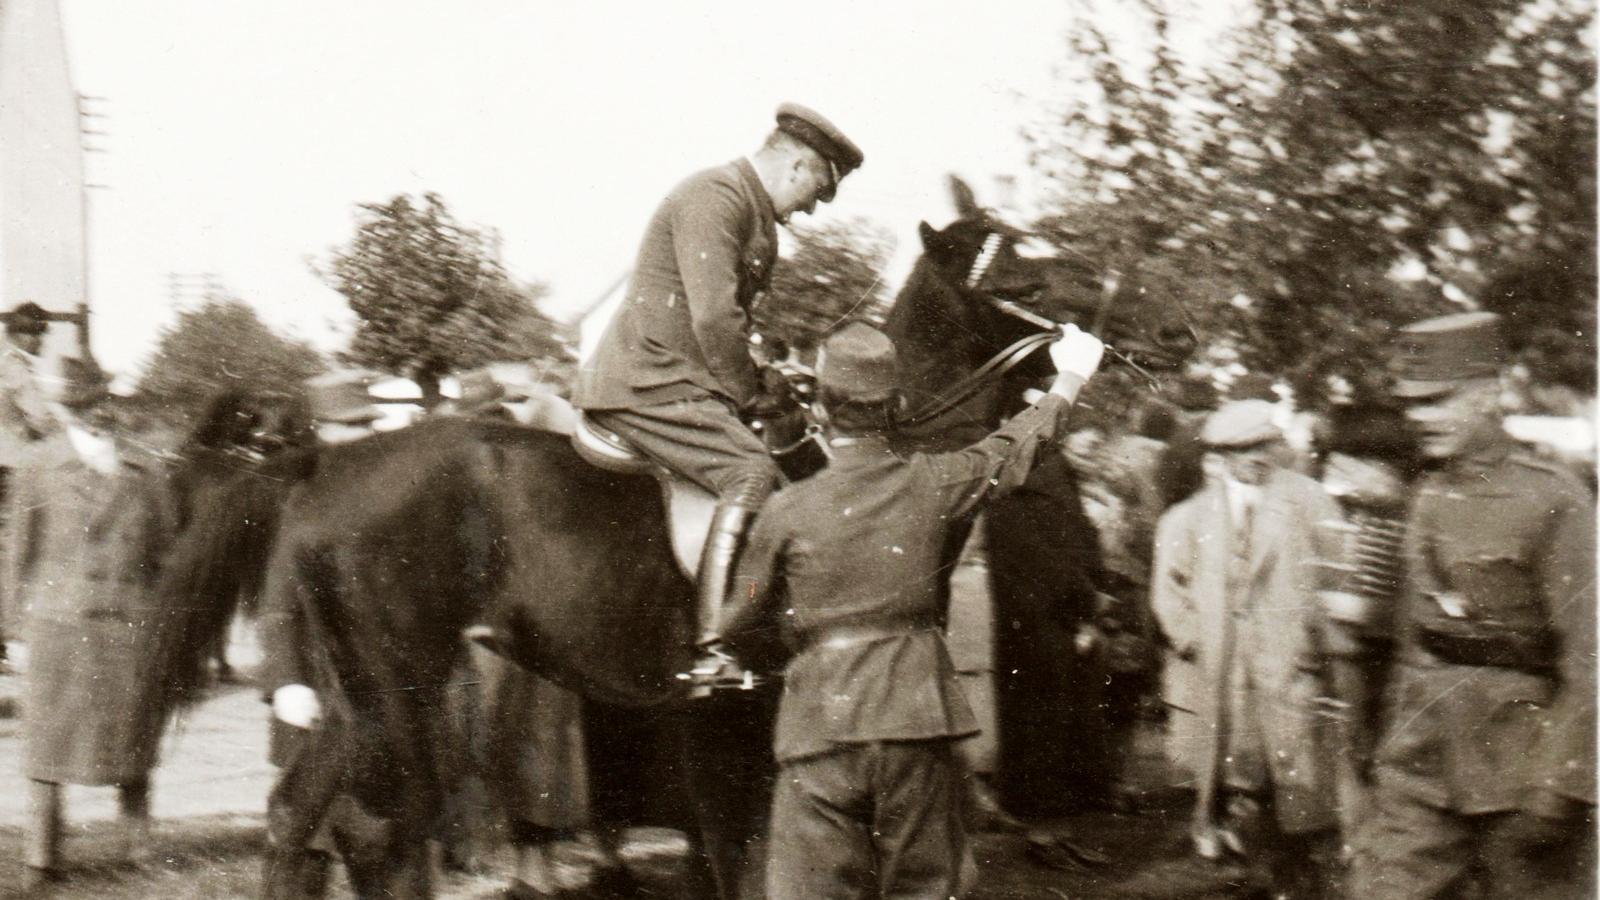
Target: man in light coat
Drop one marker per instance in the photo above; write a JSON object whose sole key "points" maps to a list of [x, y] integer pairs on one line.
{"points": [[1234, 591]]}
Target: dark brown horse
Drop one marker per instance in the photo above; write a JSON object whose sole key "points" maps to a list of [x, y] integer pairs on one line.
{"points": [[393, 545]]}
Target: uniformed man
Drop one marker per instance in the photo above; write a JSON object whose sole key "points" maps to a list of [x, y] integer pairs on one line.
{"points": [[1486, 768], [673, 374], [846, 568], [25, 416]]}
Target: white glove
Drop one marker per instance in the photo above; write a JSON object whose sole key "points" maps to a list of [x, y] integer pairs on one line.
{"points": [[297, 705], [1077, 352]]}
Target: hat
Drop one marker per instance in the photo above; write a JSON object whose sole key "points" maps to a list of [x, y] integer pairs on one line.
{"points": [[858, 363], [343, 397], [812, 129], [1240, 423], [27, 318], [1431, 356]]}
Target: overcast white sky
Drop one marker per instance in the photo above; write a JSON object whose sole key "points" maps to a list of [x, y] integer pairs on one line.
{"points": [[243, 134]]}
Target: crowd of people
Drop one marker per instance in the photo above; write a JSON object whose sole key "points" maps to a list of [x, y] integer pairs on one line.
{"points": [[1373, 655]]}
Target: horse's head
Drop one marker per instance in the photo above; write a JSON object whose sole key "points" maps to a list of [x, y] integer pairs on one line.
{"points": [[250, 423], [990, 295]]}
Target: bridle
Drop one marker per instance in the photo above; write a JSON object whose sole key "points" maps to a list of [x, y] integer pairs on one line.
{"points": [[1002, 362]]}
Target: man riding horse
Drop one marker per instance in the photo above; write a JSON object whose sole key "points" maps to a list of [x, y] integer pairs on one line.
{"points": [[673, 376]]}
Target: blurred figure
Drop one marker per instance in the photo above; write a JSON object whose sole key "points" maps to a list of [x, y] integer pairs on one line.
{"points": [[1179, 472], [1231, 588], [343, 411], [1485, 773], [1369, 457], [25, 417], [89, 526]]}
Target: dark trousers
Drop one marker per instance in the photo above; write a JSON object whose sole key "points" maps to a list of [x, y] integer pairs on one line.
{"points": [[699, 439], [870, 820], [311, 816], [1410, 849]]}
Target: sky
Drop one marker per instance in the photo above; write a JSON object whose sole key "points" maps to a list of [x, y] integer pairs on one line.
{"points": [[241, 136]]}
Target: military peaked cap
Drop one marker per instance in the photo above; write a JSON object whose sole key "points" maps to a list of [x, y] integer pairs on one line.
{"points": [[1431, 356], [815, 131], [858, 363]]}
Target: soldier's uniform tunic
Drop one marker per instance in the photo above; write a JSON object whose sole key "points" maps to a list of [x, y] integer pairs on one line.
{"points": [[848, 564], [1493, 692], [673, 367]]}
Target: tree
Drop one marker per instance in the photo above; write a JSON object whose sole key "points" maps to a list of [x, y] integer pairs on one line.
{"points": [[834, 272], [1339, 169], [431, 296], [220, 345]]}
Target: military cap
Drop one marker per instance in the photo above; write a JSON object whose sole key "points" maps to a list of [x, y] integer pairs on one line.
{"points": [[1430, 357], [343, 396], [858, 362], [1240, 423], [812, 129], [27, 318]]}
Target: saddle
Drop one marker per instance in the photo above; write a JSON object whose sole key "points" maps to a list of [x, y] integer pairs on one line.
{"points": [[689, 506]]}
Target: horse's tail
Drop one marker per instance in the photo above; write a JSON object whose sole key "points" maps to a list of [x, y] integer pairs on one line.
{"points": [[219, 558]]}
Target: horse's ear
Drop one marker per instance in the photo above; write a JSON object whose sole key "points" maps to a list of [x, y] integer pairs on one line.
{"points": [[966, 202], [930, 238]]}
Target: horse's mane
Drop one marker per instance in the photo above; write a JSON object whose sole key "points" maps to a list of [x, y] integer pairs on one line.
{"points": [[215, 565]]}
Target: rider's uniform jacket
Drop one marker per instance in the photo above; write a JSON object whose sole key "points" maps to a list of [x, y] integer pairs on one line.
{"points": [[682, 329], [846, 568], [1494, 690]]}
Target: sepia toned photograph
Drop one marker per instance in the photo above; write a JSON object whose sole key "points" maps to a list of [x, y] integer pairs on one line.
{"points": [[710, 450]]}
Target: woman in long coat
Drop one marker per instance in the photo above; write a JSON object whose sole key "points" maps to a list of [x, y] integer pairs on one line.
{"points": [[88, 528]]}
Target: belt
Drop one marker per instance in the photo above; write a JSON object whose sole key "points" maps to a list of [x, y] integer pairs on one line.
{"points": [[838, 636]]}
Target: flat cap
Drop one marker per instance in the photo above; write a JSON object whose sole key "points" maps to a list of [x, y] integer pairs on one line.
{"points": [[858, 362], [1240, 423], [27, 318], [1430, 357], [815, 131]]}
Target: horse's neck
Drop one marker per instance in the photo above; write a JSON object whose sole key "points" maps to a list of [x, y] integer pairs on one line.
{"points": [[931, 335]]}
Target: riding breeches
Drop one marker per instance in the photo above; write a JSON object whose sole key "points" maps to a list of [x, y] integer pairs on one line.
{"points": [[701, 440]]}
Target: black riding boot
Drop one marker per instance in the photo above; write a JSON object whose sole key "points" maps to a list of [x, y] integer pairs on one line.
{"points": [[714, 668]]}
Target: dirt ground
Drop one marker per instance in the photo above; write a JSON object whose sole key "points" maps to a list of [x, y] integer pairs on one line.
{"points": [[210, 799]]}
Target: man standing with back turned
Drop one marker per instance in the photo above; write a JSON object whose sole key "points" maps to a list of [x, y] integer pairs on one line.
{"points": [[846, 567], [673, 374]]}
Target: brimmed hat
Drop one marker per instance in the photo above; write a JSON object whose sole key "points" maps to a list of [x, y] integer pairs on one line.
{"points": [[858, 363], [27, 318], [815, 131], [343, 397], [1433, 356], [1240, 423]]}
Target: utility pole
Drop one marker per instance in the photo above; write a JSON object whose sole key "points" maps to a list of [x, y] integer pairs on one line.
{"points": [[89, 116]]}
